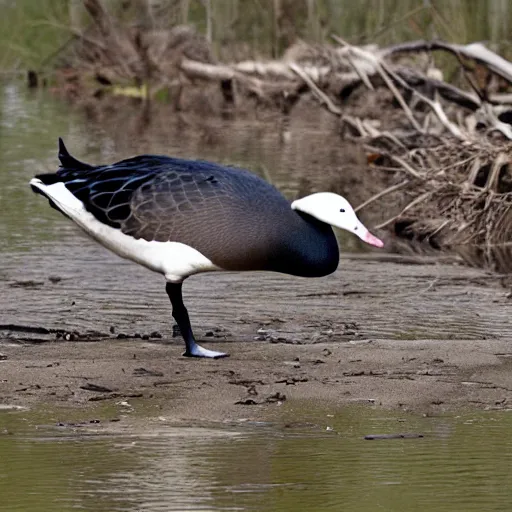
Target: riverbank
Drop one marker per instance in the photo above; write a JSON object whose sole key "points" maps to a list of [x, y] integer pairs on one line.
{"points": [[401, 333], [428, 377]]}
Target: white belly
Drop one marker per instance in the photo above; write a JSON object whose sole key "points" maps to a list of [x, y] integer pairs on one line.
{"points": [[174, 260]]}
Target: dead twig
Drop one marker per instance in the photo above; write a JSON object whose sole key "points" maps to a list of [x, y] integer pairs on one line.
{"points": [[389, 83], [324, 99], [382, 193], [434, 105], [408, 207]]}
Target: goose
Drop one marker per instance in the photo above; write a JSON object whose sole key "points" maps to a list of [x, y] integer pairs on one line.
{"points": [[183, 217]]}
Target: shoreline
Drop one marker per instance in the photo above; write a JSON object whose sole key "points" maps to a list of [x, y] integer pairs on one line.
{"points": [[428, 377], [394, 332]]}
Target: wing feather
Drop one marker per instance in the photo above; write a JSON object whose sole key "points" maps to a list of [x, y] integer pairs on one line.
{"points": [[229, 215]]}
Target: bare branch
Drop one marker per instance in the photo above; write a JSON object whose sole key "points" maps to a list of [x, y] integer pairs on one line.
{"points": [[382, 193], [324, 99]]}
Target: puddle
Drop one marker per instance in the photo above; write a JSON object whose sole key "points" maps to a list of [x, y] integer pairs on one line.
{"points": [[305, 459]]}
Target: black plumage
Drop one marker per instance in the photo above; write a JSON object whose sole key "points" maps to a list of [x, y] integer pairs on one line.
{"points": [[230, 215]]}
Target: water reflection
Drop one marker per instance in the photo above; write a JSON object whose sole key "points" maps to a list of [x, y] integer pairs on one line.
{"points": [[462, 463]]}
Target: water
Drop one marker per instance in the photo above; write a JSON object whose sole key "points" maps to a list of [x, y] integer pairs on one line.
{"points": [[308, 457], [462, 464]]}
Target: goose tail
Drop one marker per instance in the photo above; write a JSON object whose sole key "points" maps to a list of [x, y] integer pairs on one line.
{"points": [[51, 185], [40, 185], [70, 162]]}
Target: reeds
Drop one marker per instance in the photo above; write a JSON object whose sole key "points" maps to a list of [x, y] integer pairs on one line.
{"points": [[31, 31]]}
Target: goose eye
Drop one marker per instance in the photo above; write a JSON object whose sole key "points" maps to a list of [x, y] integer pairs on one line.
{"points": [[342, 210]]}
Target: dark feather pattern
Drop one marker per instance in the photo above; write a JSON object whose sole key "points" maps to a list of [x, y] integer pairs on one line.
{"points": [[231, 216]]}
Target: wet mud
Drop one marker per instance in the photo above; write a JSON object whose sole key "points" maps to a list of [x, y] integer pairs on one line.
{"points": [[80, 326]]}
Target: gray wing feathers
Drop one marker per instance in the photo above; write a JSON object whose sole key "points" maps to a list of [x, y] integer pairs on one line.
{"points": [[173, 207]]}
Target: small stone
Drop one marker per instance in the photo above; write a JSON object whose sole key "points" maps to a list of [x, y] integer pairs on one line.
{"points": [[252, 390], [276, 397]]}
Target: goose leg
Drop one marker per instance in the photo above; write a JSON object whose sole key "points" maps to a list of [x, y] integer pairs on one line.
{"points": [[180, 314]]}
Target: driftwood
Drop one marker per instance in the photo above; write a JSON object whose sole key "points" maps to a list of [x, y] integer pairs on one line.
{"points": [[474, 51], [368, 66], [116, 54]]}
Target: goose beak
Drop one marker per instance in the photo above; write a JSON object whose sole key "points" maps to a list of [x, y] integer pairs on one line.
{"points": [[373, 240], [367, 237]]}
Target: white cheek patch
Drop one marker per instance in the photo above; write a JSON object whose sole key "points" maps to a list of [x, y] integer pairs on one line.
{"points": [[173, 259]]}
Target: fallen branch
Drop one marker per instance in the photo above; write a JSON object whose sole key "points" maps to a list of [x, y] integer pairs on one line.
{"points": [[381, 194], [324, 99], [475, 51], [379, 69], [408, 207]]}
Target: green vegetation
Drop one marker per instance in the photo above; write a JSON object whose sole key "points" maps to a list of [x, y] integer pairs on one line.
{"points": [[32, 31]]}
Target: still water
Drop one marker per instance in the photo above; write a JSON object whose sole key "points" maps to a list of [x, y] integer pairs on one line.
{"points": [[319, 461], [308, 457]]}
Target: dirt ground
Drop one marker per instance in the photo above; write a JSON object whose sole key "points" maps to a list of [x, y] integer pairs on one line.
{"points": [[397, 332], [426, 376]]}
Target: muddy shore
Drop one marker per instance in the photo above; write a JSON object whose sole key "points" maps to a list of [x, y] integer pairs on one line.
{"points": [[405, 333], [428, 376]]}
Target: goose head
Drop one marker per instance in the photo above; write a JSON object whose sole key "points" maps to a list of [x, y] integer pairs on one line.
{"points": [[336, 211]]}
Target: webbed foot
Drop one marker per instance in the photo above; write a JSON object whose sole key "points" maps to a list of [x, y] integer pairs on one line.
{"points": [[198, 351], [180, 314]]}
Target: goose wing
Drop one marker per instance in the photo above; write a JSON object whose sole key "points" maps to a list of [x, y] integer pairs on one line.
{"points": [[149, 197], [230, 215]]}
